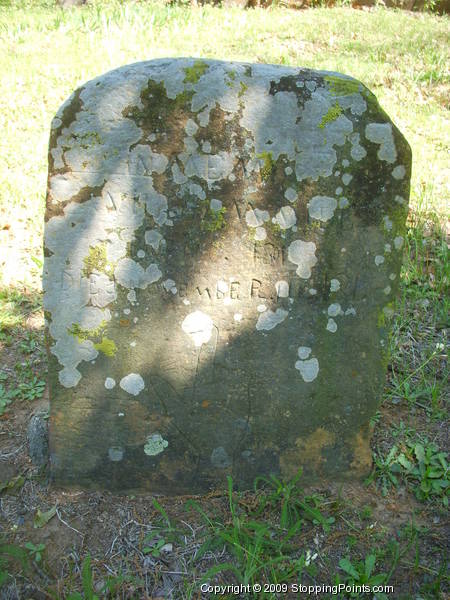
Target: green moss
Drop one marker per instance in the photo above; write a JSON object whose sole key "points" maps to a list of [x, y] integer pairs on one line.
{"points": [[87, 334], [340, 86], [95, 261], [273, 227], [194, 73], [212, 220], [276, 233], [267, 168], [243, 89], [106, 346], [333, 113], [157, 107]]}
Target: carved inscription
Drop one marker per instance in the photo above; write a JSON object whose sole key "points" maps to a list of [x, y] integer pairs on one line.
{"points": [[253, 289], [268, 254]]}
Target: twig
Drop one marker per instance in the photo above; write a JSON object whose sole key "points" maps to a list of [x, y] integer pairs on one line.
{"points": [[67, 524], [5, 456]]}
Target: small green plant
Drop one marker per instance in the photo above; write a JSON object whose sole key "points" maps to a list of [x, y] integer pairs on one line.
{"points": [[420, 464], [6, 397], [29, 344], [15, 553], [87, 581], [385, 470], [293, 504], [35, 552], [360, 573], [154, 546], [426, 469], [162, 535], [32, 389], [284, 494]]}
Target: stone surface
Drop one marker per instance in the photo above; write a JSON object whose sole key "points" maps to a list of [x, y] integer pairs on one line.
{"points": [[37, 435], [223, 244]]}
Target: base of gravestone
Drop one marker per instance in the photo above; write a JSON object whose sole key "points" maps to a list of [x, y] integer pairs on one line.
{"points": [[37, 436]]}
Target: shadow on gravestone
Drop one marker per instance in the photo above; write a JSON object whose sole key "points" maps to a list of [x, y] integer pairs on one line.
{"points": [[223, 245]]}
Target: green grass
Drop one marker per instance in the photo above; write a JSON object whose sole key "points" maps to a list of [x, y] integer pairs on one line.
{"points": [[47, 52]]}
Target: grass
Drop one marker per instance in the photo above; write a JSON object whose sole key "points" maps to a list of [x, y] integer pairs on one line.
{"points": [[389, 531]]}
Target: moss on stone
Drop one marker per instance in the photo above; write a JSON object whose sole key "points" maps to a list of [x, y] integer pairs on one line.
{"points": [[243, 89], [333, 113], [157, 107], [106, 346], [268, 166], [87, 334], [212, 220], [95, 261], [340, 86], [194, 73], [88, 139]]}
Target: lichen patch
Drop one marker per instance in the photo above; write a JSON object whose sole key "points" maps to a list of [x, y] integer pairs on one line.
{"points": [[309, 369], [322, 208], [155, 444], [132, 384], [269, 319], [303, 255], [381, 133]]}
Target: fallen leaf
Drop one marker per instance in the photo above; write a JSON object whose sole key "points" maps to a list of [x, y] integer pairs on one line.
{"points": [[42, 518]]}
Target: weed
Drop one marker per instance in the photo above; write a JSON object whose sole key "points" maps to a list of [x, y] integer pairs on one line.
{"points": [[360, 573], [88, 583], [35, 551], [32, 389], [426, 470], [259, 554], [6, 397], [293, 504], [8, 553], [385, 470], [418, 462]]}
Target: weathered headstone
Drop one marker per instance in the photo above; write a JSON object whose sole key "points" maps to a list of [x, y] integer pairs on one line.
{"points": [[223, 245]]}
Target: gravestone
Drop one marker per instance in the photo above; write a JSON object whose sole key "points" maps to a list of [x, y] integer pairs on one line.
{"points": [[222, 250]]}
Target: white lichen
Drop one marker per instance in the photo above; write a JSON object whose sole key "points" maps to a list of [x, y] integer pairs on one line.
{"points": [[303, 255], [155, 444], [256, 217], [381, 133], [269, 319], [109, 383], [303, 352], [285, 217], [282, 288], [132, 384], [309, 369], [322, 207], [335, 285], [331, 326]]}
